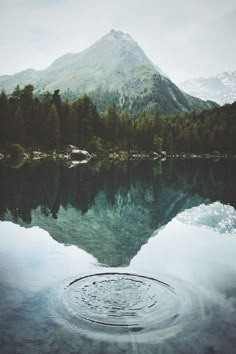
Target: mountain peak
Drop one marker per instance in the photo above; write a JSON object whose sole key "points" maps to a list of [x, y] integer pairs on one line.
{"points": [[117, 35], [220, 88]]}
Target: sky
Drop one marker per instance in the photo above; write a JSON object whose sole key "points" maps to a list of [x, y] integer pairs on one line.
{"points": [[185, 38]]}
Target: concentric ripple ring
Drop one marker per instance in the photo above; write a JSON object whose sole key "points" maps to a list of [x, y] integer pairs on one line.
{"points": [[119, 303], [116, 299]]}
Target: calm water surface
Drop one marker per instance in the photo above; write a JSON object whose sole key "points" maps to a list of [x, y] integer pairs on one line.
{"points": [[109, 258]]}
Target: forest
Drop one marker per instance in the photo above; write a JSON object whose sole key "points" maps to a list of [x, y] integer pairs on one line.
{"points": [[47, 121]]}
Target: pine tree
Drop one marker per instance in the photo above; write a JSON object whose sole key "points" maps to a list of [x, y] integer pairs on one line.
{"points": [[145, 133], [19, 128], [27, 105], [86, 119], [158, 124], [53, 126], [111, 124], [157, 143], [72, 126], [4, 119], [126, 130]]}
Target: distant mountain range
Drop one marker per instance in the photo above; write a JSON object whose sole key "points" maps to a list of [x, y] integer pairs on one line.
{"points": [[220, 88], [114, 67]]}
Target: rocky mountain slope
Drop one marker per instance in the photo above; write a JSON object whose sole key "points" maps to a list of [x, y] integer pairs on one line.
{"points": [[220, 88], [115, 65]]}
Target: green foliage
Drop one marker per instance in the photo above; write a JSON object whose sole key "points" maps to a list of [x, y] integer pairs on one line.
{"points": [[112, 124], [48, 121], [19, 125], [4, 119], [85, 119], [53, 126], [95, 144], [145, 132], [157, 143]]}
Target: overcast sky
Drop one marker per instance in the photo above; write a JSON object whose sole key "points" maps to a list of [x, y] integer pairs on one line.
{"points": [[186, 38]]}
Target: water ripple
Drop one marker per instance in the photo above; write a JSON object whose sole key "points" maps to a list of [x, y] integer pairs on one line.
{"points": [[114, 303]]}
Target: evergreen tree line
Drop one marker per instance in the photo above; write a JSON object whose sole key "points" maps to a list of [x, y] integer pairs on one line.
{"points": [[49, 122]]}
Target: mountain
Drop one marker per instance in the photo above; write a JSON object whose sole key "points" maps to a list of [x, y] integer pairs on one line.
{"points": [[220, 88], [115, 67]]}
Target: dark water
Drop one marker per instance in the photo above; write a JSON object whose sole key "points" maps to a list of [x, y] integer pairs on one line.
{"points": [[118, 258]]}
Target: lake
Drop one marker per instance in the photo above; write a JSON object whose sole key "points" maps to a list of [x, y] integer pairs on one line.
{"points": [[118, 257]]}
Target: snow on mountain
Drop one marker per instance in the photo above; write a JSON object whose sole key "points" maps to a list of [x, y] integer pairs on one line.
{"points": [[113, 64], [220, 88]]}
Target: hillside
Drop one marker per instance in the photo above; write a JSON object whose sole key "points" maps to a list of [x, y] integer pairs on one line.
{"points": [[115, 67]]}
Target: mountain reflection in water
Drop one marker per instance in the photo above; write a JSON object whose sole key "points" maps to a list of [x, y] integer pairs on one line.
{"points": [[118, 258], [106, 208]]}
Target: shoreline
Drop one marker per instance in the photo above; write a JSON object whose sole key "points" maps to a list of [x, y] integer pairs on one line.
{"points": [[74, 155]]}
